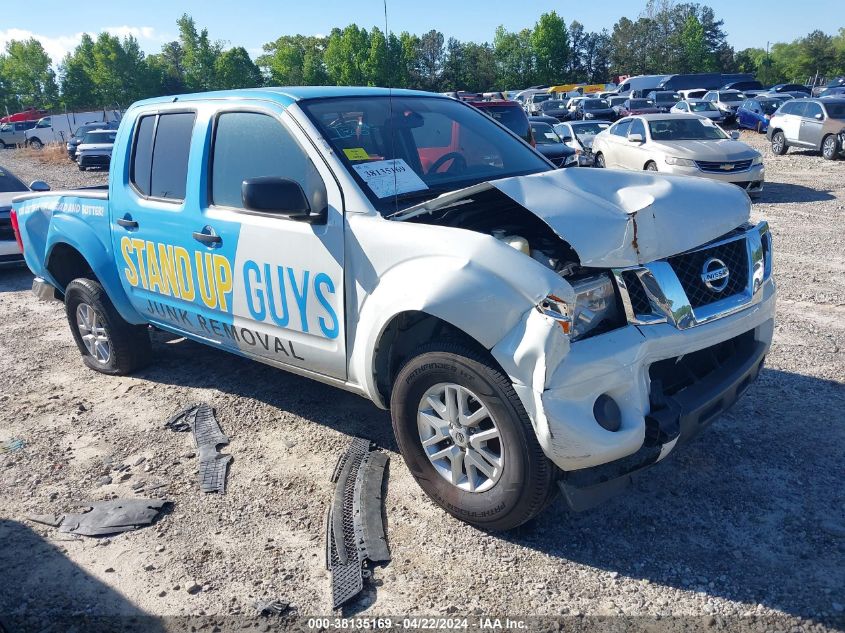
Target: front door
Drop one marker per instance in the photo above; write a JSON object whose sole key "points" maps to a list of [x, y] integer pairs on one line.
{"points": [[812, 127]]}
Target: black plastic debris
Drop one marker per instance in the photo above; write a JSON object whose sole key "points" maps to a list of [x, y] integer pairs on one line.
{"points": [[271, 606], [105, 517], [355, 537], [200, 419]]}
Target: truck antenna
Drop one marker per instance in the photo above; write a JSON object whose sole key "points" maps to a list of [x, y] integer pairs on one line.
{"points": [[390, 109]]}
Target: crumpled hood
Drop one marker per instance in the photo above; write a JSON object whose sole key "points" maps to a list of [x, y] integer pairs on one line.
{"points": [[615, 218]]}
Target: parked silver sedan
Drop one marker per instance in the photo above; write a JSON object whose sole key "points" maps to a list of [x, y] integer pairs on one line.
{"points": [[699, 107], [684, 144]]}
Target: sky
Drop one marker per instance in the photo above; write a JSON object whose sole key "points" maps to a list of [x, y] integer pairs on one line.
{"points": [[251, 23]]}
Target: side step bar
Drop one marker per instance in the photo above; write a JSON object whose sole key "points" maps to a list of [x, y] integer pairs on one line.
{"points": [[355, 537]]}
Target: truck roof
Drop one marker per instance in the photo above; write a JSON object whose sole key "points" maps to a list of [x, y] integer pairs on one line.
{"points": [[289, 94]]}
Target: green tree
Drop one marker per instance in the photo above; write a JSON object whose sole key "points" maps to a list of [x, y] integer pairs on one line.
{"points": [[169, 65], [235, 69], [377, 65], [346, 56], [550, 41], [77, 85], [28, 79], [454, 66], [514, 58], [694, 48], [431, 56], [200, 55]]}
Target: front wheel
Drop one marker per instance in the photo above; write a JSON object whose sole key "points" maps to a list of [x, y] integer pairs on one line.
{"points": [[651, 166], [467, 439], [108, 344], [829, 149], [778, 143], [600, 161]]}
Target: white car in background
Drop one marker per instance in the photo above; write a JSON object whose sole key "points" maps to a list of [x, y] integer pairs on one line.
{"points": [[684, 144], [699, 107], [579, 136]]}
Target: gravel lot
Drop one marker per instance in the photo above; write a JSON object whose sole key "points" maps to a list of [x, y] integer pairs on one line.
{"points": [[749, 520]]}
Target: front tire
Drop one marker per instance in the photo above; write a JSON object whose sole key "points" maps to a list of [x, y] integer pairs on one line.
{"points": [[829, 149], [779, 146], [651, 166], [108, 343], [600, 161], [467, 439]]}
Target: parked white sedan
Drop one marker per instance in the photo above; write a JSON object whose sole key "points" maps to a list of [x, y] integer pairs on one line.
{"points": [[683, 144]]}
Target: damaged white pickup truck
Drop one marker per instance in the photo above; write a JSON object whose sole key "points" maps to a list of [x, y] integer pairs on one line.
{"points": [[531, 329]]}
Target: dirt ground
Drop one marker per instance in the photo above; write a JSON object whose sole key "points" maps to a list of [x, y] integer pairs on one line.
{"points": [[749, 520]]}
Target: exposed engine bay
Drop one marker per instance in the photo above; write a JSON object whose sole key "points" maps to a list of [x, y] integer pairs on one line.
{"points": [[493, 213]]}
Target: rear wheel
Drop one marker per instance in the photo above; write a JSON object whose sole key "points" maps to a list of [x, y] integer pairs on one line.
{"points": [[779, 146], [108, 343], [467, 439], [600, 161], [35, 143], [829, 149]]}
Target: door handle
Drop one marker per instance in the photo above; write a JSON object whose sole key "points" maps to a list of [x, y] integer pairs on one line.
{"points": [[207, 238], [127, 223]]}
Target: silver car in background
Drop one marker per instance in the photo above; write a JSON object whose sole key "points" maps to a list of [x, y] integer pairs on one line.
{"points": [[726, 100], [699, 107], [809, 123], [95, 149], [579, 136], [684, 144]]}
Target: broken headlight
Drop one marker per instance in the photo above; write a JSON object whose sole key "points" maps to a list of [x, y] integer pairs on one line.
{"points": [[595, 305]]}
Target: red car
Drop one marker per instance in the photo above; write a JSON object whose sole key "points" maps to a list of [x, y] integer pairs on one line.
{"points": [[28, 114], [638, 106]]}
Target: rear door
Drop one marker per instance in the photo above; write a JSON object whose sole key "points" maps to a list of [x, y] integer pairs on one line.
{"points": [[616, 141], [792, 121], [812, 125]]}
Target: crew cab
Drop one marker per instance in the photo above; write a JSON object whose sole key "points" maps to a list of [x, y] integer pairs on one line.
{"points": [[531, 329]]}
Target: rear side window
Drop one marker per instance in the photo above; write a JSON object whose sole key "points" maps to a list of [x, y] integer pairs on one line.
{"points": [[637, 127], [160, 155], [252, 145], [812, 109]]}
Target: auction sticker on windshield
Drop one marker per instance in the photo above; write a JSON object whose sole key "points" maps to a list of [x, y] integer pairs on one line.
{"points": [[390, 177]]}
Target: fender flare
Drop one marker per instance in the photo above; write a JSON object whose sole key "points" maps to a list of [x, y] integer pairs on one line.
{"points": [[474, 299], [74, 232]]}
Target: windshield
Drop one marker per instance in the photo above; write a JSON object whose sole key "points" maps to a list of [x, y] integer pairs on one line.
{"points": [[552, 104], [641, 103], [416, 148], [588, 129], [8, 183], [540, 98], [595, 104], [731, 97], [667, 97], [835, 110], [544, 134], [512, 117], [693, 129], [99, 137], [701, 106]]}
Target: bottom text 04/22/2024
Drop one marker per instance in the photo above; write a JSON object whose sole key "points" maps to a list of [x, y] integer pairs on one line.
{"points": [[418, 623]]}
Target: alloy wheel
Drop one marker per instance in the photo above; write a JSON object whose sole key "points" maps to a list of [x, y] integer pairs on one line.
{"points": [[93, 332], [460, 437]]}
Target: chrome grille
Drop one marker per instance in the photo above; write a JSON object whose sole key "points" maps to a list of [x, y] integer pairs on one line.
{"points": [[689, 266], [723, 167], [639, 299]]}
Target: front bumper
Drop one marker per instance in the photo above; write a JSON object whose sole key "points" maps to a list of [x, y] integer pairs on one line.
{"points": [[93, 160], [671, 334]]}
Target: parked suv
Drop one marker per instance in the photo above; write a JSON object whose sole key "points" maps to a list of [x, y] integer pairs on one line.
{"points": [[12, 134], [809, 123], [508, 113]]}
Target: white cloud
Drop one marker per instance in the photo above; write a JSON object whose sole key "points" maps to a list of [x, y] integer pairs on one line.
{"points": [[59, 46]]}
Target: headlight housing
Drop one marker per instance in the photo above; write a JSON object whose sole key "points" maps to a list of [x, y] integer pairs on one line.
{"points": [[588, 115], [686, 162], [595, 306], [571, 160], [758, 160]]}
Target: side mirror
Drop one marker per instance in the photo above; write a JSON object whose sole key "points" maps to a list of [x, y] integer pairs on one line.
{"points": [[819, 116], [735, 135], [39, 185], [566, 139], [635, 138], [271, 194]]}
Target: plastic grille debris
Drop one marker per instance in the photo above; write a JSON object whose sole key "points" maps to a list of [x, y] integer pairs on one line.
{"points": [[355, 536], [271, 606], [199, 418], [105, 517]]}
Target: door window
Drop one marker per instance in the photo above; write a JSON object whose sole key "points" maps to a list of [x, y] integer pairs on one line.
{"points": [[160, 155], [812, 109], [637, 127], [253, 145], [621, 128]]}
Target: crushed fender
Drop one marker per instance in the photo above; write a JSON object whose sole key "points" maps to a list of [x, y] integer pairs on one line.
{"points": [[355, 537], [199, 418], [106, 517]]}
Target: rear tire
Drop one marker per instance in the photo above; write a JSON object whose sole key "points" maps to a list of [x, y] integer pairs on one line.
{"points": [[108, 343], [829, 149], [779, 146], [35, 143], [505, 496]]}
